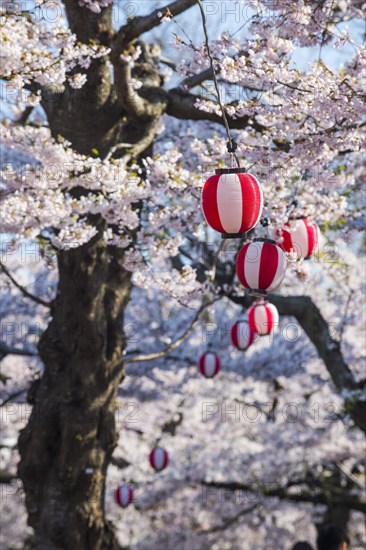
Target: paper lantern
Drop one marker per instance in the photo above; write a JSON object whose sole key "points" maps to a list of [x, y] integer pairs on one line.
{"points": [[261, 266], [232, 202], [123, 495], [209, 364], [242, 336], [158, 459], [263, 318], [301, 236]]}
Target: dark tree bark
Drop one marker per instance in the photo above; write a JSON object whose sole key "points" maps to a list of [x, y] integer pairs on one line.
{"points": [[68, 442]]}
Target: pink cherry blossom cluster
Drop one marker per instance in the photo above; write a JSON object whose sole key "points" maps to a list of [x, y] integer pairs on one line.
{"points": [[42, 54], [95, 6]]}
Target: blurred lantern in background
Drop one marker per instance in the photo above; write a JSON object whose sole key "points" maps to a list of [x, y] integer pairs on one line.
{"points": [[263, 318], [209, 364], [299, 235], [123, 495], [232, 202], [261, 266], [158, 459], [242, 336]]}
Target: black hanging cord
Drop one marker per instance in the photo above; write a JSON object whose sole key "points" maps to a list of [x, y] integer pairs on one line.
{"points": [[232, 145]]}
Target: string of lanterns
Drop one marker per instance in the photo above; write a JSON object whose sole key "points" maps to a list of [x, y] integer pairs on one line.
{"points": [[124, 494], [232, 204]]}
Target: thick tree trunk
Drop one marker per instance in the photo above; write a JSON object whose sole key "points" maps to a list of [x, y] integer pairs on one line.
{"points": [[66, 447]]}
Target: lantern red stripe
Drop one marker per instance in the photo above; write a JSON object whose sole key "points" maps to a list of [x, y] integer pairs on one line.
{"points": [[234, 335], [287, 241], [312, 232], [217, 367], [270, 319], [280, 272], [240, 266], [202, 365], [251, 319], [165, 462], [210, 205], [252, 201], [268, 265], [117, 496]]}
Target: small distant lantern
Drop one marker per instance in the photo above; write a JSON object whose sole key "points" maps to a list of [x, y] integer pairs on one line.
{"points": [[158, 459], [232, 202], [209, 364], [242, 336], [261, 266], [123, 495], [299, 235], [263, 318]]}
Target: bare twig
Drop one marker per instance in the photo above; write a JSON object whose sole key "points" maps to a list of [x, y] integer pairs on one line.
{"points": [[228, 522], [139, 25], [23, 290], [174, 345], [12, 396]]}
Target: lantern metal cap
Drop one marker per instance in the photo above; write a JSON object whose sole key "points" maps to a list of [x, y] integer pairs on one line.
{"points": [[263, 240], [233, 235], [258, 293], [297, 217], [230, 171]]}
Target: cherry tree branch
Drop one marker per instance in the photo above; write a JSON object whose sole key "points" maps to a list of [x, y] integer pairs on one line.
{"points": [[139, 25], [182, 105], [174, 345], [297, 494], [230, 521], [196, 79], [317, 329], [23, 290]]}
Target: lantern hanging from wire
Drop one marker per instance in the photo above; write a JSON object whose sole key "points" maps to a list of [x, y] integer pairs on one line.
{"points": [[299, 235], [263, 318], [209, 364], [261, 266], [158, 459], [232, 202], [242, 336], [123, 495]]}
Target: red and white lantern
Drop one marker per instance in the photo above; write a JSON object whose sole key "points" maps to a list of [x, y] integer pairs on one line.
{"points": [[261, 266], [209, 364], [123, 495], [242, 336], [300, 236], [263, 318], [158, 459], [232, 202]]}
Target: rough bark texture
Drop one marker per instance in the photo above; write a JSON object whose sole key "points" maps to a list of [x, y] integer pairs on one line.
{"points": [[68, 442]]}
